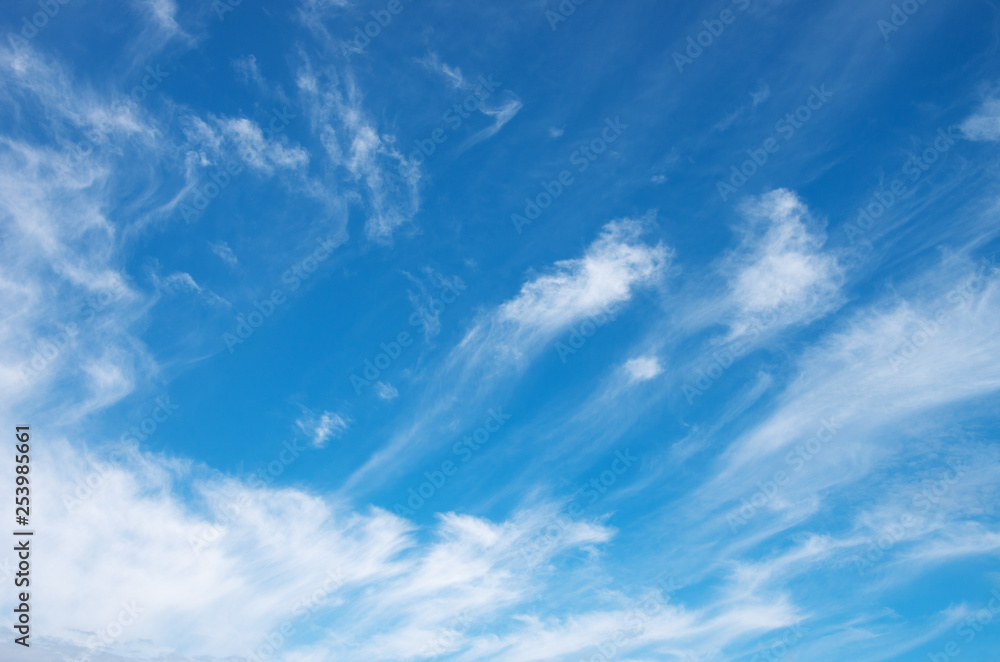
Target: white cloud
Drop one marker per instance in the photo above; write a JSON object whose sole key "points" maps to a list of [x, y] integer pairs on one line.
{"points": [[353, 142], [643, 368], [386, 391], [234, 565], [427, 301], [259, 153], [220, 140], [780, 269], [247, 557], [320, 429], [60, 277], [984, 124], [159, 29], [760, 95], [670, 630], [234, 558], [181, 281], [246, 68], [222, 249], [164, 12], [502, 112], [200, 134], [452, 74], [895, 361], [73, 111], [611, 269]]}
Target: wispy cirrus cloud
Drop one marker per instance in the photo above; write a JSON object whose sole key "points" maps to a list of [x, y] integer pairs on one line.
{"points": [[181, 281], [57, 200], [322, 427], [504, 339], [501, 110], [225, 253], [984, 124], [758, 96], [899, 359], [353, 143], [240, 139]]}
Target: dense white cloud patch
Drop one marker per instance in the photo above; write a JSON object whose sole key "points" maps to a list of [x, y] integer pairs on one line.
{"points": [[780, 268], [616, 264], [218, 575], [643, 368]]}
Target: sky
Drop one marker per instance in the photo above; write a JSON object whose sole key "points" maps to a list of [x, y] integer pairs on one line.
{"points": [[531, 330]]}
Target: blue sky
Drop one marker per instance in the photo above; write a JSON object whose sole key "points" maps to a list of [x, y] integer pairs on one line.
{"points": [[505, 331]]}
